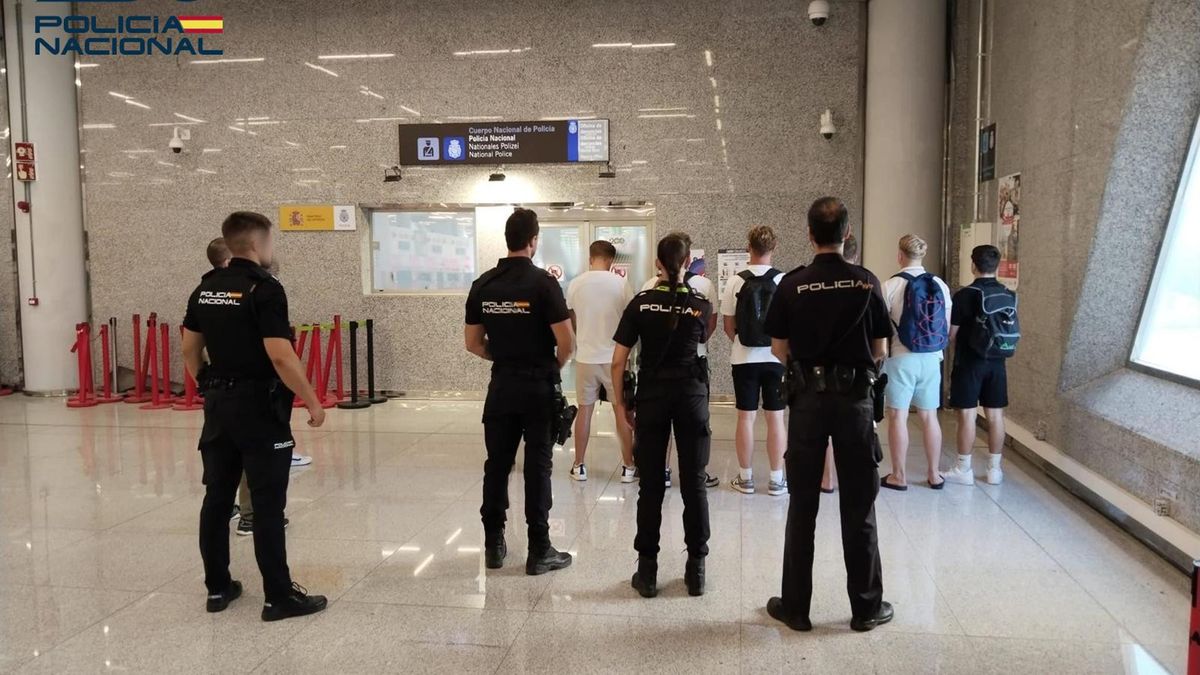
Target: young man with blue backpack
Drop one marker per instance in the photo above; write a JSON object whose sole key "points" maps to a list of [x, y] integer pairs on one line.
{"points": [[919, 304], [985, 331]]}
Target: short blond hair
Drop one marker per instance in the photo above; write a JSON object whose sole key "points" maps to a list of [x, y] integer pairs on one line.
{"points": [[762, 240], [913, 247]]}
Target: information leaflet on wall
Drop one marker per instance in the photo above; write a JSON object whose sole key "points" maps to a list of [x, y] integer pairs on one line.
{"points": [[1008, 226], [544, 142], [317, 217], [730, 261]]}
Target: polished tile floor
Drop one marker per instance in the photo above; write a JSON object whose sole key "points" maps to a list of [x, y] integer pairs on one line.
{"points": [[99, 569]]}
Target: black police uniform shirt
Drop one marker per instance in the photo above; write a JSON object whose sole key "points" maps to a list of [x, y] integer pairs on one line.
{"points": [[816, 307], [235, 308], [517, 303], [648, 318], [965, 307]]}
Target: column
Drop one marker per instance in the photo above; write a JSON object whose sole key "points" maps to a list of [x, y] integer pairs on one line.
{"points": [[902, 182], [50, 238]]}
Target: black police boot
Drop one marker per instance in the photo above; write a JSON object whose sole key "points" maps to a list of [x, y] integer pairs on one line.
{"points": [[297, 603], [693, 575], [218, 602], [863, 624], [495, 550], [547, 561], [645, 579], [776, 610]]}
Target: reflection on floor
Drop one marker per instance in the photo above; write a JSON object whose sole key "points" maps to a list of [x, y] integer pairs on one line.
{"points": [[99, 568]]}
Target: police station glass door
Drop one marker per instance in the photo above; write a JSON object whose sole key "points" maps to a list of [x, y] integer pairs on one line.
{"points": [[563, 252]]}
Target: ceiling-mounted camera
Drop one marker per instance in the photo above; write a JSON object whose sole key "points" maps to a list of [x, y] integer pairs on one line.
{"points": [[818, 12]]}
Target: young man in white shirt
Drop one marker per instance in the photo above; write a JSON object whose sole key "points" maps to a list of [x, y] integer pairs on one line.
{"points": [[757, 374], [914, 368], [596, 299], [704, 286]]}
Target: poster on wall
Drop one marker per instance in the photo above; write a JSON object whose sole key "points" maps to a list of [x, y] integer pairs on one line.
{"points": [[987, 153], [1008, 227], [730, 261]]}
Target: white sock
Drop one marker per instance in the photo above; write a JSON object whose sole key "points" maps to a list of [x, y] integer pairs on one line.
{"points": [[746, 474], [994, 461], [964, 462], [777, 476]]}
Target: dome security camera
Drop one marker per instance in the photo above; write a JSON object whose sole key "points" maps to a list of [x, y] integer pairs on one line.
{"points": [[818, 12], [827, 127], [176, 143]]}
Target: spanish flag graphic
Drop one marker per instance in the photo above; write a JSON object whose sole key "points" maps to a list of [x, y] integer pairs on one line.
{"points": [[202, 24]]}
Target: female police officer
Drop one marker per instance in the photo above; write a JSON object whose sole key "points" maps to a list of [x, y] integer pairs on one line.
{"points": [[670, 320]]}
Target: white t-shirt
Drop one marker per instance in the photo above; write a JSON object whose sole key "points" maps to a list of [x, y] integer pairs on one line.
{"points": [[598, 299], [740, 353], [702, 285], [893, 294]]}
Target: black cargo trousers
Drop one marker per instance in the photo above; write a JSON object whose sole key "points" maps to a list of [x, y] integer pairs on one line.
{"points": [[520, 404], [847, 419], [246, 428], [663, 405]]}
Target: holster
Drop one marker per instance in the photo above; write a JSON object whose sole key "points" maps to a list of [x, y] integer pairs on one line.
{"points": [[858, 383], [562, 417], [629, 389]]}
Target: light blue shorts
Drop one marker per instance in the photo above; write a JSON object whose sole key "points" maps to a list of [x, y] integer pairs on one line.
{"points": [[914, 380]]}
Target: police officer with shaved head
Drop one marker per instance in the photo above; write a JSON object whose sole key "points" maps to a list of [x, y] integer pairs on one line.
{"points": [[240, 313], [830, 324], [517, 318]]}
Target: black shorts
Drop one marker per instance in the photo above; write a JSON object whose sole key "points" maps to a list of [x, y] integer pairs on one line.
{"points": [[752, 379], [976, 382]]}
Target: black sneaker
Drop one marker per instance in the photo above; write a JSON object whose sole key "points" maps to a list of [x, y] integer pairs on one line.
{"points": [[245, 526], [495, 553], [711, 480], [668, 478], [693, 575], [777, 612], [218, 602], [548, 561], [864, 624], [297, 603]]}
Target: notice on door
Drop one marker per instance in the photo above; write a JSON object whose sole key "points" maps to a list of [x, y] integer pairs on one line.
{"points": [[544, 142]]}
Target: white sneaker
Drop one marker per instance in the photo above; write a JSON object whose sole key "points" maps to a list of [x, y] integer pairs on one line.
{"points": [[960, 476], [301, 460], [744, 486], [628, 474], [995, 476], [579, 472], [776, 489]]}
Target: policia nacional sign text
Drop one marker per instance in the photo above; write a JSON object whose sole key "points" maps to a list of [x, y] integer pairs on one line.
{"points": [[545, 142]]}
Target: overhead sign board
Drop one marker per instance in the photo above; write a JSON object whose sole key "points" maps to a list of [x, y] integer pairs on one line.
{"points": [[543, 142]]}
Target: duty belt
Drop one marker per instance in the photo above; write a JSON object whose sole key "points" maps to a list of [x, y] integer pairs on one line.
{"points": [[528, 372], [832, 378], [228, 382], [696, 370]]}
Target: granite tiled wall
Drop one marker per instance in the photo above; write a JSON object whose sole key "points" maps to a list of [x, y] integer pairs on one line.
{"points": [[10, 343], [1094, 102], [302, 134]]}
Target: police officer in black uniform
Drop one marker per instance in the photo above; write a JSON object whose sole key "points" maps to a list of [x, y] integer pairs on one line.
{"points": [[670, 321], [240, 314], [517, 319], [829, 322]]}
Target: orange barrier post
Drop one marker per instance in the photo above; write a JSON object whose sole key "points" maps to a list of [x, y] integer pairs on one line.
{"points": [[85, 397], [156, 401], [106, 371], [190, 400], [138, 395], [328, 398]]}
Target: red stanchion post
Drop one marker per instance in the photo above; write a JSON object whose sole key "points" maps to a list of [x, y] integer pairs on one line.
{"points": [[156, 401], [138, 395], [328, 399], [337, 337], [106, 371], [190, 400], [84, 398]]}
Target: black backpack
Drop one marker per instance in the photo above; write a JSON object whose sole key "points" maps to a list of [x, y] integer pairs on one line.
{"points": [[753, 299], [996, 329]]}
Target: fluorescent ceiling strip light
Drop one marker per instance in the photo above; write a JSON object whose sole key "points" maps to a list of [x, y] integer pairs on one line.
{"points": [[321, 68], [346, 57], [256, 59]]}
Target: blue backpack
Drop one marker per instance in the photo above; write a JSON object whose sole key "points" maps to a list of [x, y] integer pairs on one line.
{"points": [[923, 327]]}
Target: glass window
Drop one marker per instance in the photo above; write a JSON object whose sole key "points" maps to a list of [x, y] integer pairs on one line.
{"points": [[422, 251], [1170, 328]]}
